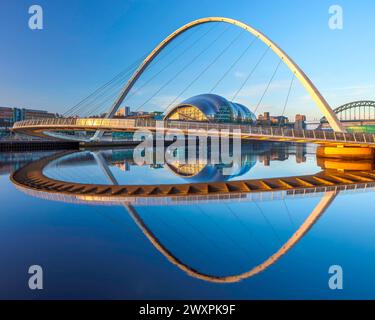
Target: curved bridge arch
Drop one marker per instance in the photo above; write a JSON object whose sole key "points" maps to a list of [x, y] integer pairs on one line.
{"points": [[34, 172], [31, 177], [301, 76], [353, 105], [313, 217], [326, 200]]}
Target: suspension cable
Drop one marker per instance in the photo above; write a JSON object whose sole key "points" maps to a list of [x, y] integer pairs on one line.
{"points": [[120, 83], [268, 85], [183, 68], [268, 222], [288, 213], [87, 108], [251, 73], [103, 98], [242, 248], [119, 75], [233, 65], [167, 66], [95, 105], [245, 227], [205, 69], [287, 97]]}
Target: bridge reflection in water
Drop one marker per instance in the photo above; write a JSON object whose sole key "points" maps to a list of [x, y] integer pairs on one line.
{"points": [[214, 234]]}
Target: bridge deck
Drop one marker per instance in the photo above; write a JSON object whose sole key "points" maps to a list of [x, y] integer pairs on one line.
{"points": [[44, 127], [31, 177]]}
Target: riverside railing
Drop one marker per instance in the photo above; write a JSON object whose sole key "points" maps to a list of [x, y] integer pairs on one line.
{"points": [[246, 129], [280, 132]]}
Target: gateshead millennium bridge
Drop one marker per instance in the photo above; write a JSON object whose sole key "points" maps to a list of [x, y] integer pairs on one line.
{"points": [[31, 177], [338, 137], [327, 184], [42, 128]]}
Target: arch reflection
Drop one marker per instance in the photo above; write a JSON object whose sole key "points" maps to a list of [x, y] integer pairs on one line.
{"points": [[313, 217], [32, 180]]}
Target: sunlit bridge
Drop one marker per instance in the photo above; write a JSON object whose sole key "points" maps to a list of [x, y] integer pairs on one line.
{"points": [[145, 155], [194, 213], [357, 116], [203, 189], [92, 114]]}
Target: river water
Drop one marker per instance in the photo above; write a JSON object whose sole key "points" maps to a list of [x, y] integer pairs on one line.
{"points": [[198, 248]]}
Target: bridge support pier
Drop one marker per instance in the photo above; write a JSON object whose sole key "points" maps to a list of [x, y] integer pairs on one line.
{"points": [[345, 152], [346, 164]]}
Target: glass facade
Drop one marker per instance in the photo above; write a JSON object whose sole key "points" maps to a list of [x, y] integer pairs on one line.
{"points": [[187, 113], [210, 108]]}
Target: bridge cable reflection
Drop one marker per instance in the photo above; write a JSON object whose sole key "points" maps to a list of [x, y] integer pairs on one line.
{"points": [[250, 232], [243, 249], [111, 178], [286, 247], [317, 212], [288, 213], [26, 177], [268, 222], [201, 233]]}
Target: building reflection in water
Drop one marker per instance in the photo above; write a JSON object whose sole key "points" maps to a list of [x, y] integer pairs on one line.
{"points": [[235, 257], [214, 240], [11, 161], [187, 170], [281, 154]]}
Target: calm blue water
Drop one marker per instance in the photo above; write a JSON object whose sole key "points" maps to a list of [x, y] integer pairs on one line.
{"points": [[99, 251]]}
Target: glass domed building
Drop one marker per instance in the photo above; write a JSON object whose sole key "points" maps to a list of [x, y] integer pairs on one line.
{"points": [[210, 108]]}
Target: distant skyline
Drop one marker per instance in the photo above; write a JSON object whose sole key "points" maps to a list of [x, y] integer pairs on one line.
{"points": [[85, 43]]}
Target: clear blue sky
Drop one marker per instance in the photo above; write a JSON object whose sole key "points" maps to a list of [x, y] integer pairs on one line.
{"points": [[86, 42]]}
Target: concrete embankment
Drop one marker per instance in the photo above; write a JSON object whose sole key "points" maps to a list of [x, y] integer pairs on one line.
{"points": [[37, 145], [60, 145]]}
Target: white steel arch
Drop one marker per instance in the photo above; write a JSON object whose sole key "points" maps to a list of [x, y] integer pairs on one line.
{"points": [[301, 76]]}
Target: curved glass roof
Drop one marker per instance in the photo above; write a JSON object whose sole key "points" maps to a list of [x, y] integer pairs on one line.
{"points": [[211, 104]]}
